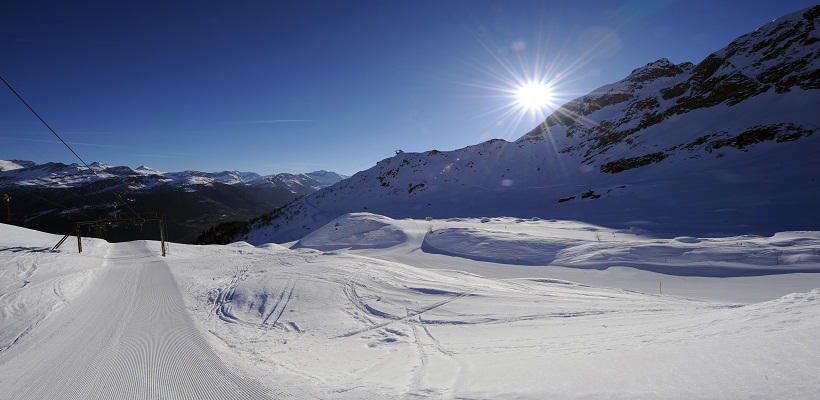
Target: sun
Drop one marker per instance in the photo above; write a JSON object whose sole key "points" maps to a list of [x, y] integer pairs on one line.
{"points": [[534, 96], [522, 85]]}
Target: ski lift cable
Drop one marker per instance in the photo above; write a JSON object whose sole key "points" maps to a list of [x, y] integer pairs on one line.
{"points": [[73, 193], [48, 126], [64, 207], [20, 188], [63, 141]]}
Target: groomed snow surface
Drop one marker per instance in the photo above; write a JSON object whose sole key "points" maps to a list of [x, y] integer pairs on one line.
{"points": [[371, 307]]}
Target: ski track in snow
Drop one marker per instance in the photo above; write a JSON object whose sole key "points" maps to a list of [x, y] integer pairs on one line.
{"points": [[238, 321], [281, 304], [128, 337]]}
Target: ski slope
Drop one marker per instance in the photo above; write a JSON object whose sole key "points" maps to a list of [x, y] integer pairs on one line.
{"points": [[127, 335], [371, 307]]}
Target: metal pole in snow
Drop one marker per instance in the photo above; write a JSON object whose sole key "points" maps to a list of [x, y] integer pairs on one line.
{"points": [[162, 233]]}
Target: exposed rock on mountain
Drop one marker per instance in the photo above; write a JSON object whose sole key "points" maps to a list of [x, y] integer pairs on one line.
{"points": [[725, 145], [53, 196], [646, 110]]}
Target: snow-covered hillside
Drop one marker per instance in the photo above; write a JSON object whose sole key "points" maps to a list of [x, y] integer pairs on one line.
{"points": [[761, 88], [372, 307], [724, 146]]}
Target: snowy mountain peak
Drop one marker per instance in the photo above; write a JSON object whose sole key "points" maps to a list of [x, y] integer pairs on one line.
{"points": [[807, 14], [8, 165], [98, 165], [707, 141], [117, 170], [59, 175], [662, 68], [52, 196], [144, 169], [633, 117], [779, 56], [301, 182], [325, 177], [782, 53]]}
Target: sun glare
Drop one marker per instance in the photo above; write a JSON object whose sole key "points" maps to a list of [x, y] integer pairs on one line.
{"points": [[533, 95], [525, 83]]}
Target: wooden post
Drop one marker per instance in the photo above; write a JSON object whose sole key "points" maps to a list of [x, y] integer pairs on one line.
{"points": [[162, 233], [79, 240], [65, 237]]}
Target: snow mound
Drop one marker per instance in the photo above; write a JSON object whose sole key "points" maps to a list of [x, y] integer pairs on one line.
{"points": [[578, 245], [356, 230], [496, 246], [687, 239], [239, 244], [273, 247]]}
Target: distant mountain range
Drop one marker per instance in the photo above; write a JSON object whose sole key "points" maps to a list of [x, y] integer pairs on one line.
{"points": [[54, 196], [728, 145]]}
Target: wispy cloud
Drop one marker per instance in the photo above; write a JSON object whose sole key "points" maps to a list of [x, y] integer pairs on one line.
{"points": [[272, 121], [72, 143], [289, 165], [175, 155]]}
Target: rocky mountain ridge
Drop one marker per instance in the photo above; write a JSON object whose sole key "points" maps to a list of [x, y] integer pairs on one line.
{"points": [[630, 116], [52, 197], [60, 175], [725, 145]]}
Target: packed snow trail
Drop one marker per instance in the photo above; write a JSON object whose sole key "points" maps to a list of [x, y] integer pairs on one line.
{"points": [[129, 336]]}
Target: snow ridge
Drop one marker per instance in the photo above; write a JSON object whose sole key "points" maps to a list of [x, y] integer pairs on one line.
{"points": [[59, 175], [728, 143]]}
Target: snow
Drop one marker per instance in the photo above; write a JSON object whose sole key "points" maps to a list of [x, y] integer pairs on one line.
{"points": [[58, 175], [9, 165], [638, 148], [761, 191], [146, 170], [357, 230], [326, 178], [373, 307], [636, 292]]}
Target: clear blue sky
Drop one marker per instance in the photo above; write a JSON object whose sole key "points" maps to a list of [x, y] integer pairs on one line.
{"points": [[296, 86]]}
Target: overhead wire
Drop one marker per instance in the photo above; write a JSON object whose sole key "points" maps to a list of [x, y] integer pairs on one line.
{"points": [[52, 202], [64, 207], [47, 125], [73, 193], [119, 197]]}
